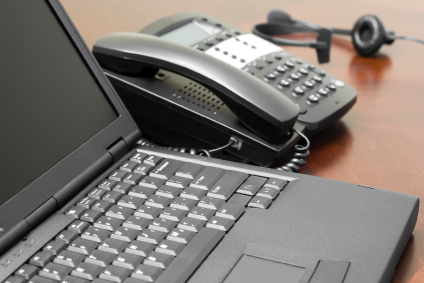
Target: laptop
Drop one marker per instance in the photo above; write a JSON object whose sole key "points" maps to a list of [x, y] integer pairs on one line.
{"points": [[82, 202]]}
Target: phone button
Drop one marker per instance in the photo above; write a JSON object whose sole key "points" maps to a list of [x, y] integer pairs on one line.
{"points": [[313, 98], [270, 76], [284, 82], [302, 110]]}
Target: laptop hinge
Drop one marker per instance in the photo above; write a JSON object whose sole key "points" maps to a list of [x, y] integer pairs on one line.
{"points": [[118, 149]]}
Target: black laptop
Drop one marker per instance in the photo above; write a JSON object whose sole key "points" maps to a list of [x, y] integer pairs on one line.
{"points": [[81, 202]]}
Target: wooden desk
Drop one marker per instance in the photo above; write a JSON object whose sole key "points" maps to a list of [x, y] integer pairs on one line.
{"points": [[380, 142]]}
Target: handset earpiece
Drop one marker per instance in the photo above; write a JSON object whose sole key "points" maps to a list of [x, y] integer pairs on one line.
{"points": [[369, 34]]}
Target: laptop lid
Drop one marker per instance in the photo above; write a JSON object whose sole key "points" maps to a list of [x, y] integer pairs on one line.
{"points": [[59, 116]]}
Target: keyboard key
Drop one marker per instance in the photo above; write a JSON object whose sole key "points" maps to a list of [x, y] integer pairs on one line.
{"points": [[151, 236], [127, 260], [136, 222], [55, 271], [146, 211], [131, 201], [118, 175], [191, 256], [107, 184], [252, 185], [78, 226], [191, 224], [124, 234], [230, 211], [220, 223], [158, 201], [95, 234], [138, 157], [41, 259], [147, 273], [115, 273], [140, 248], [72, 279], [162, 224], [132, 280], [133, 178], [54, 247], [143, 169], [239, 200], [180, 235], [227, 185], [193, 193], [201, 213], [166, 169], [267, 192], [39, 279], [107, 223], [183, 203], [173, 214], [91, 215], [113, 246], [102, 205], [75, 211], [152, 160], [82, 246], [158, 260], [87, 271], [169, 192], [276, 183], [85, 202], [97, 193], [112, 196], [169, 247], [69, 258], [259, 202], [14, 279], [128, 166], [100, 258], [211, 202], [66, 236], [151, 182], [189, 170], [123, 188], [26, 271], [141, 192], [120, 212], [207, 178], [178, 182]]}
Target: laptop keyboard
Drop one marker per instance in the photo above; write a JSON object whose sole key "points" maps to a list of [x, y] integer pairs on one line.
{"points": [[152, 220]]}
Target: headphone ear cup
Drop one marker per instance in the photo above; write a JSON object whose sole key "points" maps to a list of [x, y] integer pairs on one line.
{"points": [[279, 16], [368, 35]]}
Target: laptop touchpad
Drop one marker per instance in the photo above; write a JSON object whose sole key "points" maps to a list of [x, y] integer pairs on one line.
{"points": [[250, 269]]}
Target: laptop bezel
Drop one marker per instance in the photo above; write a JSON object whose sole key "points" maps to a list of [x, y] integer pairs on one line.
{"points": [[62, 175]]}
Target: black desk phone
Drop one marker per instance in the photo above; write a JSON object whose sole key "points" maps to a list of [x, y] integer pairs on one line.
{"points": [[193, 75]]}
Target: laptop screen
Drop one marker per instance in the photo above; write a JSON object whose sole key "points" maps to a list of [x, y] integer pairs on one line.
{"points": [[50, 103]]}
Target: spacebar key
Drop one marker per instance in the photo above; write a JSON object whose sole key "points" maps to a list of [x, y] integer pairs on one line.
{"points": [[191, 256]]}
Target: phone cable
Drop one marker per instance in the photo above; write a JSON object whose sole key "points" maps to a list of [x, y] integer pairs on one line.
{"points": [[300, 153]]}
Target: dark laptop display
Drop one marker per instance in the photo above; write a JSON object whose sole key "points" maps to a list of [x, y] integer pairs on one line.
{"points": [[48, 95], [81, 202]]}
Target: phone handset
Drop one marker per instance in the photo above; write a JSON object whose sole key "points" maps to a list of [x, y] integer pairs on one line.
{"points": [[260, 107]]}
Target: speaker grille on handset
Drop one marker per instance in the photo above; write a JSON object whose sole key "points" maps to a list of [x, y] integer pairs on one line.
{"points": [[200, 96]]}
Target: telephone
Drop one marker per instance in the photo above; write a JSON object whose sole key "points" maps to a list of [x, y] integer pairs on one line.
{"points": [[192, 75]]}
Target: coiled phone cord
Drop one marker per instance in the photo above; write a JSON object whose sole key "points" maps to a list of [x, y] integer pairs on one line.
{"points": [[300, 153]]}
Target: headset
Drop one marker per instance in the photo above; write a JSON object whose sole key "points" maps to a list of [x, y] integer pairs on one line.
{"points": [[368, 34]]}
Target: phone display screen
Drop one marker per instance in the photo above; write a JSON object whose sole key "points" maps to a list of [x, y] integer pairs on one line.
{"points": [[191, 33]]}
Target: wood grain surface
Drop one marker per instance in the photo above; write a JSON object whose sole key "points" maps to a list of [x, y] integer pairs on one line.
{"points": [[380, 142]]}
